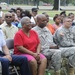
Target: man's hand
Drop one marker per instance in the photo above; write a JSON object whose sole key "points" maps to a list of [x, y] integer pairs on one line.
{"points": [[8, 57]]}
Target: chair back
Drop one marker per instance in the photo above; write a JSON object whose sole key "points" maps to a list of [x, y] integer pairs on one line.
{"points": [[10, 43]]}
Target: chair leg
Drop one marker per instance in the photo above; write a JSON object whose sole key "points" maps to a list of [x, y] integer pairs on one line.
{"points": [[16, 70]]}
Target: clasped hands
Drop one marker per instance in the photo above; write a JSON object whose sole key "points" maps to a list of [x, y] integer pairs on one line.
{"points": [[37, 57]]}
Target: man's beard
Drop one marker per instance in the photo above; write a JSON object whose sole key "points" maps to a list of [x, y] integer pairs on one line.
{"points": [[42, 25]]}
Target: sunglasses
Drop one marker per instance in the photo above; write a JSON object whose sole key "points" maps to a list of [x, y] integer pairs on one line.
{"points": [[8, 16]]}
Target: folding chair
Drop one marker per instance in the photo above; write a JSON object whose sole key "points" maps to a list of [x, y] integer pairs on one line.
{"points": [[10, 45]]}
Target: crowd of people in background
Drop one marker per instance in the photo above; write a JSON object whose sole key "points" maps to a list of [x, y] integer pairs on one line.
{"points": [[37, 42]]}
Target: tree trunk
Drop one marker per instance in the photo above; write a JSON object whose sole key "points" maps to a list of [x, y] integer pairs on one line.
{"points": [[56, 5]]}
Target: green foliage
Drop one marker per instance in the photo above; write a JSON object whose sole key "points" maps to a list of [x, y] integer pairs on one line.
{"points": [[32, 1]]}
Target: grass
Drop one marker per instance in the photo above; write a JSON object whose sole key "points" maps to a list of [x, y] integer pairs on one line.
{"points": [[52, 13]]}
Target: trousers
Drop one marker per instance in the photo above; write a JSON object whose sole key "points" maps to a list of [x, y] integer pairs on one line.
{"points": [[17, 60]]}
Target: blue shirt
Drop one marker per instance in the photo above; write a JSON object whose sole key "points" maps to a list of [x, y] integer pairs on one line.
{"points": [[19, 25], [2, 40]]}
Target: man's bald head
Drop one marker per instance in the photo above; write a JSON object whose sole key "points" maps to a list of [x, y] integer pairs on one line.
{"points": [[41, 20], [40, 16]]}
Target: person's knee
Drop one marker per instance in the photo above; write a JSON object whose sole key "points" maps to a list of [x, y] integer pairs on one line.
{"points": [[24, 58], [19, 58], [57, 54], [33, 66], [32, 62], [44, 60], [5, 62]]}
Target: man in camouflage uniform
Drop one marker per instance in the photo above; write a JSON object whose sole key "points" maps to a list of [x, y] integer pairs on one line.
{"points": [[64, 38], [49, 48]]}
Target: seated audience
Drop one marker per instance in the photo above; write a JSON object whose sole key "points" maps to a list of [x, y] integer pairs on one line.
{"points": [[71, 15], [28, 14], [64, 38], [48, 47], [18, 13], [49, 26], [6, 59], [34, 13], [26, 43], [1, 20], [1, 12], [63, 15], [9, 30], [57, 20]]}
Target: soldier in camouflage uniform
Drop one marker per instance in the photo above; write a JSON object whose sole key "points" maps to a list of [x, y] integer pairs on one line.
{"points": [[48, 47], [64, 38]]}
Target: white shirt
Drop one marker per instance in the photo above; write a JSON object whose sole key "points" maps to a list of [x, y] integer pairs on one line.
{"points": [[2, 41]]}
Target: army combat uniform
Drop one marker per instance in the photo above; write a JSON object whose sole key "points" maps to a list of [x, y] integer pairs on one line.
{"points": [[46, 39], [64, 38]]}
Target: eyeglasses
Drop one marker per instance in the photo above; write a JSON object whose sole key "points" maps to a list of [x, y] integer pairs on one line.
{"points": [[68, 21], [8, 16]]}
